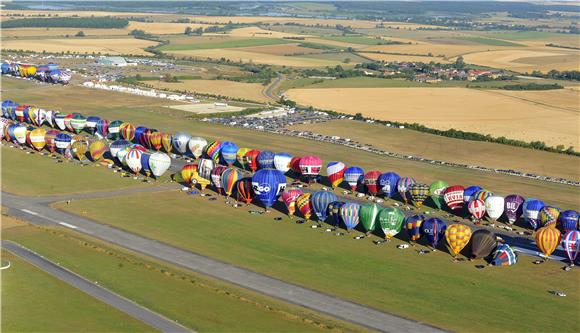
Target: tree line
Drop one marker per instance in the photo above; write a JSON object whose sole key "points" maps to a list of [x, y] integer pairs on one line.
{"points": [[105, 22]]}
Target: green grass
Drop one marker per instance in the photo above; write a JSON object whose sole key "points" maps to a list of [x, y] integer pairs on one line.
{"points": [[225, 44], [429, 288], [193, 300], [34, 301], [488, 41]]}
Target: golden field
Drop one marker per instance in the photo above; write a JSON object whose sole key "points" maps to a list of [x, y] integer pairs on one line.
{"points": [[250, 91], [59, 32], [128, 45], [400, 57], [281, 49], [481, 111], [527, 60], [446, 50]]}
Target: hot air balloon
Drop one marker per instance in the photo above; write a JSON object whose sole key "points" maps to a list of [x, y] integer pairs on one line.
{"points": [[216, 178], [252, 159], [62, 141], [133, 159], [353, 175], [91, 125], [295, 165], [212, 150], [531, 211], [368, 216], [68, 121], [5, 68], [145, 138], [282, 162], [97, 149], [20, 133], [310, 167], [266, 160], [203, 183], [334, 212], [434, 229], [114, 129], [19, 112], [513, 207], [118, 145], [547, 239], [268, 184], [304, 205], [436, 190], [403, 186], [241, 157], [39, 116], [196, 146], [127, 131], [37, 138], [568, 220], [413, 227], [204, 167], [349, 215], [320, 201], [335, 173], [504, 255], [167, 142], [229, 179], [469, 192], [59, 121], [476, 208], [549, 216], [453, 197], [457, 236], [482, 195], [139, 131], [494, 206], [483, 242], [180, 141], [49, 139], [370, 180], [50, 115], [388, 183], [571, 245], [187, 172], [78, 123], [391, 221], [289, 198], [159, 163], [155, 140], [244, 190], [79, 149], [418, 192], [228, 152]]}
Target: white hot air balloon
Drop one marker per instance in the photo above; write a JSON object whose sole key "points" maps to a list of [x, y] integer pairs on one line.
{"points": [[180, 141], [159, 163], [20, 134], [494, 206], [204, 167], [196, 145], [133, 159], [282, 162]]}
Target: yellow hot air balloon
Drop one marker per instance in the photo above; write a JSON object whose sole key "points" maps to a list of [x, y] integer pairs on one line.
{"points": [[241, 156], [167, 142], [547, 239], [79, 149], [203, 183], [37, 138], [187, 173], [458, 236], [97, 149]]}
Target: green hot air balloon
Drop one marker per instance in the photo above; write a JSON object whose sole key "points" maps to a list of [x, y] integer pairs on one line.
{"points": [[436, 192], [368, 216], [391, 221]]}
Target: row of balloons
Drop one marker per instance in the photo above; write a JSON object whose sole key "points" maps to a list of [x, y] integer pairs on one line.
{"points": [[45, 73]]}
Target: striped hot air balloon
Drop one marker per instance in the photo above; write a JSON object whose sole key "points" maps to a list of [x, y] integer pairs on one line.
{"points": [[571, 245], [216, 178], [476, 208], [434, 230], [133, 159], [403, 187], [547, 239], [289, 198], [418, 192], [127, 131], [155, 140], [349, 214], [49, 139], [320, 201], [453, 197], [229, 178], [167, 142], [97, 149], [37, 138], [304, 205], [187, 173], [244, 190], [504, 255], [335, 173]]}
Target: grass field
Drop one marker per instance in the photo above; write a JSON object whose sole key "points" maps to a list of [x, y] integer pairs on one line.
{"points": [[193, 300], [400, 57], [401, 282], [249, 91], [224, 44], [488, 112], [127, 45]]}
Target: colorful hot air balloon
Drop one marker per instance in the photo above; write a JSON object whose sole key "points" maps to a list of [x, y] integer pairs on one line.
{"points": [[145, 138], [127, 131], [353, 176], [476, 208], [494, 206], [212, 150], [349, 215], [453, 197], [391, 221], [504, 255], [335, 173], [244, 190], [167, 142], [367, 215], [482, 195], [436, 190], [370, 180], [59, 121], [282, 162], [159, 163], [228, 152], [49, 139], [304, 205], [469, 192], [295, 165], [571, 245], [483, 242], [187, 173], [139, 131], [418, 192], [434, 229], [310, 167], [320, 201], [388, 183], [216, 178], [204, 167], [266, 160], [97, 149], [268, 184], [229, 178], [241, 157], [20, 134], [62, 141], [118, 145], [333, 212], [102, 128], [155, 140], [403, 186], [549, 216], [196, 146], [252, 159], [457, 236], [37, 138], [289, 198], [568, 220], [180, 141], [68, 121], [531, 211], [91, 125], [547, 239], [413, 227], [513, 207], [133, 159], [114, 130], [122, 155], [79, 149]]}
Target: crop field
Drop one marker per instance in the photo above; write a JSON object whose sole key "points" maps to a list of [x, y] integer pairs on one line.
{"points": [[528, 59], [387, 57], [489, 112], [222, 43], [257, 32], [282, 49], [114, 46], [193, 300], [436, 49], [249, 91], [489, 41], [282, 20]]}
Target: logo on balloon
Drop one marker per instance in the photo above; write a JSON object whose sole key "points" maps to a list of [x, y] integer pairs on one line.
{"points": [[261, 188]]}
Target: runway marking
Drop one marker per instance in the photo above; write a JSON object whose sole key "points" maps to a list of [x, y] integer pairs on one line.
{"points": [[29, 212], [68, 225]]}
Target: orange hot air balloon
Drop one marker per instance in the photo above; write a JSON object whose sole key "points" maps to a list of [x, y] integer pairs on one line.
{"points": [[458, 236], [155, 140], [547, 239], [97, 149], [187, 173], [167, 142]]}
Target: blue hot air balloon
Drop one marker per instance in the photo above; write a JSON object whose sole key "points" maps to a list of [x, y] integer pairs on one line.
{"points": [[434, 229], [5, 68], [353, 176], [531, 211], [349, 215], [228, 151], [320, 201], [469, 192], [334, 212], [139, 131], [413, 226], [268, 184], [62, 142], [266, 160], [91, 125], [504, 255], [388, 183], [118, 145], [568, 220], [145, 162]]}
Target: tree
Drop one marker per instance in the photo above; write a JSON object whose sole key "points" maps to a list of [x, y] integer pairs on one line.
{"points": [[459, 62], [80, 34], [198, 31], [188, 31]]}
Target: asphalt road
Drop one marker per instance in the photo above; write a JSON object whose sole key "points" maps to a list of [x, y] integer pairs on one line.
{"points": [[36, 210], [269, 90], [104, 295]]}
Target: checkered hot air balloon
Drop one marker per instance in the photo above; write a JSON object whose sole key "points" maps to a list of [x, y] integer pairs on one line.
{"points": [[453, 197], [504, 255], [549, 216], [418, 192], [457, 236]]}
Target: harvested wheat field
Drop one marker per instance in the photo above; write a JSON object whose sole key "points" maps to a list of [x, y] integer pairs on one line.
{"points": [[259, 32], [282, 20], [447, 50], [528, 60], [249, 91], [126, 45], [281, 49], [485, 112], [400, 57]]}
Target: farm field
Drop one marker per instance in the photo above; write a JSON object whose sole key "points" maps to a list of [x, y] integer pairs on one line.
{"points": [[489, 112], [249, 91], [220, 42], [282, 49], [113, 46], [527, 60], [195, 301], [409, 142], [400, 57], [313, 258]]}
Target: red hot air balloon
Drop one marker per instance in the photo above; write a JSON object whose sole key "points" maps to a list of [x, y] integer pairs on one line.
{"points": [[371, 182], [252, 159], [310, 167], [156, 140], [453, 196], [244, 190], [476, 208], [295, 165]]}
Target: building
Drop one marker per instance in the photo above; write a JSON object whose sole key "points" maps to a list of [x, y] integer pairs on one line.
{"points": [[112, 61]]}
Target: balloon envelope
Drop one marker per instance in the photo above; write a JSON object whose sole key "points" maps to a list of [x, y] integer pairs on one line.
{"points": [[547, 239], [457, 236], [159, 163], [513, 207], [304, 205], [370, 180], [549, 216], [268, 184], [531, 211], [353, 175], [349, 215], [282, 162], [418, 192], [483, 242], [403, 186], [504, 255], [244, 190], [229, 179], [391, 221], [228, 151], [494, 206], [413, 227], [180, 141], [454, 197], [289, 198], [266, 160], [436, 190], [469, 192], [568, 220], [434, 229], [133, 159], [320, 201], [571, 244], [367, 215], [476, 208], [388, 183], [335, 173]]}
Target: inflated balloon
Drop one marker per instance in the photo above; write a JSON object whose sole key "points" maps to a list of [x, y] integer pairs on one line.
{"points": [[295, 165], [159, 163], [229, 178], [127, 131], [97, 149], [50, 138], [547, 239], [549, 216], [252, 159], [504, 255], [334, 212], [59, 121], [145, 138], [454, 197], [39, 116], [436, 190], [139, 131], [122, 155], [304, 205], [216, 178], [403, 187], [531, 211], [268, 184], [19, 113], [494, 206], [571, 244], [180, 141], [37, 138], [91, 125], [482, 195], [353, 176], [391, 221], [388, 184], [349, 215], [367, 215], [434, 229], [167, 142], [568, 220], [145, 167], [513, 207], [50, 115], [244, 190], [476, 208], [266, 160], [68, 121], [335, 173], [204, 167], [282, 162], [418, 192], [114, 129], [413, 227], [78, 137], [241, 157], [133, 160], [196, 146], [187, 173], [483, 242], [289, 198], [20, 133], [371, 182], [310, 167], [457, 236], [228, 152], [102, 128], [79, 149], [118, 145], [201, 181], [155, 140], [320, 201], [469, 192], [212, 150]]}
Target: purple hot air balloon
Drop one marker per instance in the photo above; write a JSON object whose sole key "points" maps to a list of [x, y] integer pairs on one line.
{"points": [[513, 207], [568, 220]]}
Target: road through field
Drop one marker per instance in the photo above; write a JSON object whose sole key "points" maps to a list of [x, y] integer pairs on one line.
{"points": [[136, 311]]}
